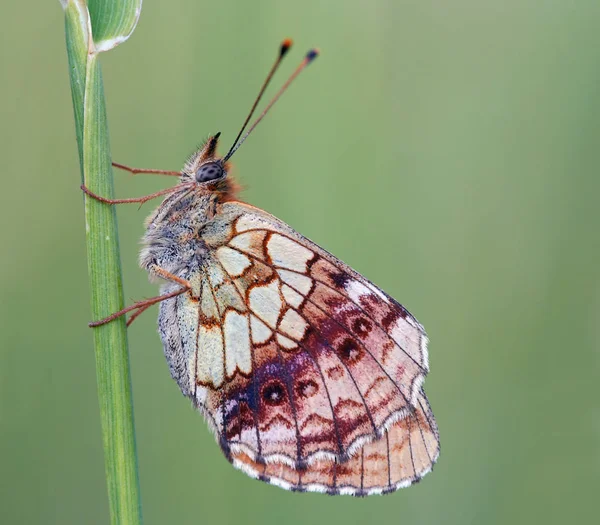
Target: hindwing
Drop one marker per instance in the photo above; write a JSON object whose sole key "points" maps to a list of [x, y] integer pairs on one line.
{"points": [[299, 363]]}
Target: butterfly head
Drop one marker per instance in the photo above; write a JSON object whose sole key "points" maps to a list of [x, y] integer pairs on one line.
{"points": [[205, 166], [209, 171]]}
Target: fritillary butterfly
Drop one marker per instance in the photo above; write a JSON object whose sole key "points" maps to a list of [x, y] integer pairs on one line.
{"points": [[309, 375]]}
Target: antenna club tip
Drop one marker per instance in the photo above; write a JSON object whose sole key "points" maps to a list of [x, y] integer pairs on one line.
{"points": [[285, 46], [312, 54]]}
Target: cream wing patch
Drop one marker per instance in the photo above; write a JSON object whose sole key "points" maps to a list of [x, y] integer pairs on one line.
{"points": [[356, 290], [286, 342], [210, 356], [237, 343], [242, 242], [234, 262], [208, 306], [291, 297], [216, 275], [260, 331], [286, 253], [266, 303], [187, 322], [251, 222], [298, 282], [293, 325]]}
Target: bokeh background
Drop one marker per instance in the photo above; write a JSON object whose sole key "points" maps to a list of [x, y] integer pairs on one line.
{"points": [[447, 150]]}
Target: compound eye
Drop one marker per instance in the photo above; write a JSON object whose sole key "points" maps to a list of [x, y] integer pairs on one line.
{"points": [[209, 171]]}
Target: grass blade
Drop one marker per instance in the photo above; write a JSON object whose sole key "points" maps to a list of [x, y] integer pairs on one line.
{"points": [[104, 266]]}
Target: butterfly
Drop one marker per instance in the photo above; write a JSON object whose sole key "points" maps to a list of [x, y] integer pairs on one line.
{"points": [[310, 376]]}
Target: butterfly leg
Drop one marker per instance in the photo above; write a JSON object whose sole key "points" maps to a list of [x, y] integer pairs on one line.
{"points": [[140, 200], [160, 272], [137, 313], [135, 171], [140, 306]]}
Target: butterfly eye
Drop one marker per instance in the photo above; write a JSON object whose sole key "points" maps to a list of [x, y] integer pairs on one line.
{"points": [[209, 171]]}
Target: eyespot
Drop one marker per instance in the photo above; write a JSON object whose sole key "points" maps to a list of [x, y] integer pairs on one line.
{"points": [[209, 171], [273, 393], [349, 351], [306, 388], [362, 327]]}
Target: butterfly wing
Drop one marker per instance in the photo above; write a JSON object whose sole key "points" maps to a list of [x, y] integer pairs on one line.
{"points": [[294, 358], [401, 456]]}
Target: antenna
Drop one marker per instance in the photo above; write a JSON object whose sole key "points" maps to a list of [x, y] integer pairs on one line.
{"points": [[310, 56], [285, 46]]}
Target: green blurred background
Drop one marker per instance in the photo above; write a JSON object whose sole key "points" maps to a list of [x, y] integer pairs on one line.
{"points": [[447, 150]]}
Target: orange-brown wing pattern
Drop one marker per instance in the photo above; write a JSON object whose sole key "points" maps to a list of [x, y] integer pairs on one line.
{"points": [[400, 457], [298, 362]]}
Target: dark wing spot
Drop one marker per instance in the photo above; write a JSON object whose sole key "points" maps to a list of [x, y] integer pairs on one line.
{"points": [[390, 318], [349, 351], [335, 373], [362, 326], [273, 393], [307, 388], [340, 279]]}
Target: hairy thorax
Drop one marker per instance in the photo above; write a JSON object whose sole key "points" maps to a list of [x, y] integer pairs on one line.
{"points": [[173, 239]]}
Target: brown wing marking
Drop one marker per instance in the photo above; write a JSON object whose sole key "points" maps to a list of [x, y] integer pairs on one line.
{"points": [[315, 441], [330, 275], [353, 416], [361, 366], [290, 393], [402, 456], [227, 438], [357, 430], [242, 409], [346, 311], [347, 315], [307, 380], [375, 304], [360, 425], [391, 405], [223, 390]]}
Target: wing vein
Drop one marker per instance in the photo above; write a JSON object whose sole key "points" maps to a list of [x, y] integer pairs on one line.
{"points": [[252, 357], [410, 448], [431, 427], [333, 418], [290, 388], [223, 438], [335, 290], [329, 345], [347, 330], [196, 349], [288, 378]]}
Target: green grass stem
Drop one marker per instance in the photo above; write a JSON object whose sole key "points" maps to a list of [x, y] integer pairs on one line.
{"points": [[104, 26]]}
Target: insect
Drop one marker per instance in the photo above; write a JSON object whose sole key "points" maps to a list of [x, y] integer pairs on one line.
{"points": [[309, 375]]}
